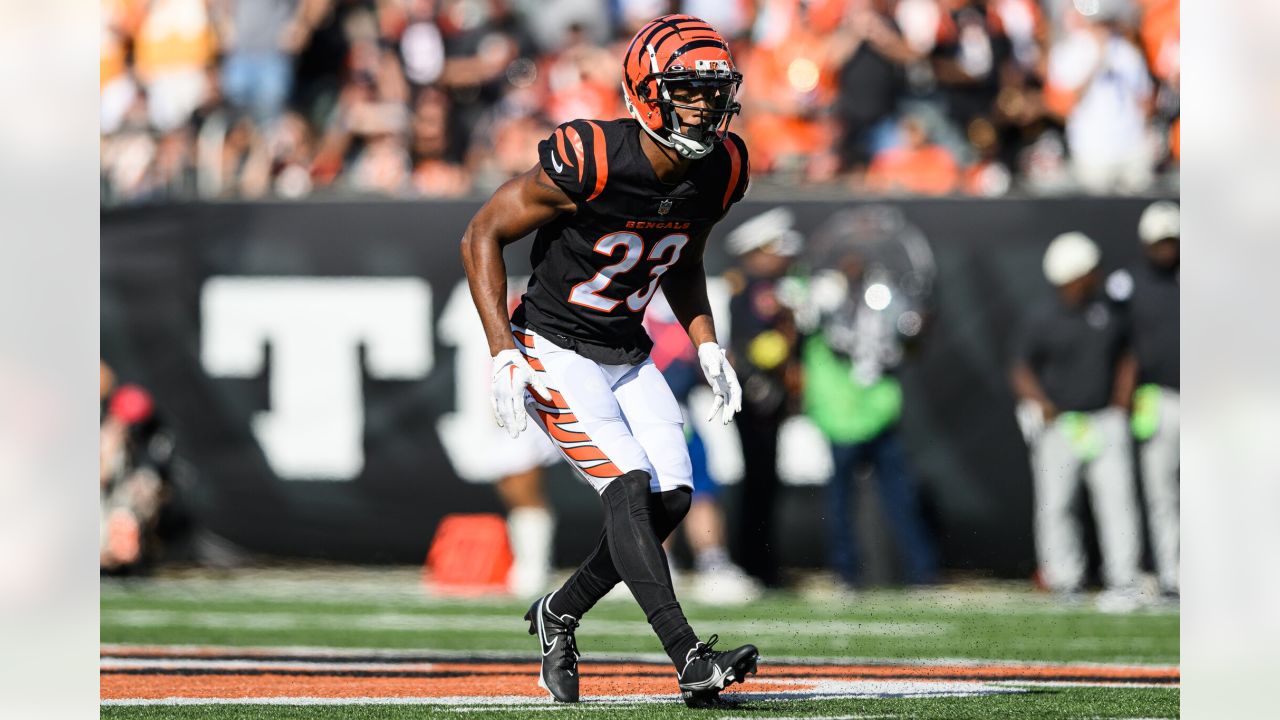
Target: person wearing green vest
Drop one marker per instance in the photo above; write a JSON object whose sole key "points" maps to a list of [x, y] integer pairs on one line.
{"points": [[852, 396]]}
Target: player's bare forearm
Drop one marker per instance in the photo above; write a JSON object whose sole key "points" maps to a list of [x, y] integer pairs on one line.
{"points": [[487, 278], [1126, 381], [520, 206], [686, 293]]}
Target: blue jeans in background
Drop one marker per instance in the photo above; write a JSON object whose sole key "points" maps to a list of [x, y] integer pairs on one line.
{"points": [[897, 492], [258, 83]]}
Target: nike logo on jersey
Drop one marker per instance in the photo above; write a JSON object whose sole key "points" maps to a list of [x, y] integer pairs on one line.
{"points": [[556, 163]]}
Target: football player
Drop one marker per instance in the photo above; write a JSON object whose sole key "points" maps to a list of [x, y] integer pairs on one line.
{"points": [[620, 207]]}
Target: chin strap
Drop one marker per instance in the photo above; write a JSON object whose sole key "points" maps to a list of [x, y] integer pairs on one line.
{"points": [[691, 149]]}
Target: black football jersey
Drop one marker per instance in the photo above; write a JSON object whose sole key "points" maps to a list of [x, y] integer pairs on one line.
{"points": [[595, 270]]}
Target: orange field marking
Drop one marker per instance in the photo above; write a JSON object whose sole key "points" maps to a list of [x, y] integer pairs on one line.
{"points": [[144, 673]]}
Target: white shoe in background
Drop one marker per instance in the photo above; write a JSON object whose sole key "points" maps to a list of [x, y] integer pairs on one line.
{"points": [[530, 531], [725, 585], [1119, 601]]}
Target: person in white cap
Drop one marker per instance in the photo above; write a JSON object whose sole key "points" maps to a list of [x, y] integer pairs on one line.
{"points": [[1148, 292], [1073, 377]]}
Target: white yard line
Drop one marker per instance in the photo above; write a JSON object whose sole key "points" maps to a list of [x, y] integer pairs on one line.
{"points": [[495, 702], [401, 622], [112, 651], [282, 665], [812, 717]]}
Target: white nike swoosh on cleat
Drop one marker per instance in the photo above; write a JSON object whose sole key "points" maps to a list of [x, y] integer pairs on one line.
{"points": [[556, 163], [547, 647]]}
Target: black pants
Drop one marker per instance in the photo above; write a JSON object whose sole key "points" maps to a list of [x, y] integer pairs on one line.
{"points": [[757, 548]]}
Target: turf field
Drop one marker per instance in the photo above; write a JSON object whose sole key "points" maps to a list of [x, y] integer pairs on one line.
{"points": [[351, 643]]}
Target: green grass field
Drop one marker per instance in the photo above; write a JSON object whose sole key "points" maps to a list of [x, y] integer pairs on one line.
{"points": [[897, 647]]}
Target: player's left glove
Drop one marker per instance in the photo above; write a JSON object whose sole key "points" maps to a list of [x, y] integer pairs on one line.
{"points": [[511, 375], [722, 379]]}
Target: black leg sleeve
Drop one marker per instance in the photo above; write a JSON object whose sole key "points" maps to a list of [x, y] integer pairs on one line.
{"points": [[597, 575], [630, 550]]}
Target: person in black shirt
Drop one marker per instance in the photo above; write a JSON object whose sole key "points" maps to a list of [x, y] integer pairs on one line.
{"points": [[871, 77], [763, 351], [1148, 293], [1073, 377]]}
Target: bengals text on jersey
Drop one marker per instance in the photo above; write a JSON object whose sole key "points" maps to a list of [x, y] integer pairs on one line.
{"points": [[595, 270]]}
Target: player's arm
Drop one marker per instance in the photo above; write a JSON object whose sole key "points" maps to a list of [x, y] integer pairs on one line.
{"points": [[686, 291], [522, 205]]}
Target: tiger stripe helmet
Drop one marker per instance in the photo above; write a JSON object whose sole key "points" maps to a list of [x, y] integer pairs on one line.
{"points": [[680, 51]]}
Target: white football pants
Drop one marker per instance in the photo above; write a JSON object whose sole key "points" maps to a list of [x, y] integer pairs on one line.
{"points": [[607, 420], [1159, 458], [1056, 465]]}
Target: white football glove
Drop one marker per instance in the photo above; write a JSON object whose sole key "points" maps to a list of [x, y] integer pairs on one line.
{"points": [[1031, 422], [511, 377], [722, 379]]}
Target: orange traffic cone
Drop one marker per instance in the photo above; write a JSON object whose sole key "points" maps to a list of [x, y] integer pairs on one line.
{"points": [[469, 556]]}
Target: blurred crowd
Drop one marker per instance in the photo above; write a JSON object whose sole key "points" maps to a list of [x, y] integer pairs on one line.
{"points": [[206, 99]]}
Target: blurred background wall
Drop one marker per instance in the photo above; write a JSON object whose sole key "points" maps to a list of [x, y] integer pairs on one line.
{"points": [[309, 358]]}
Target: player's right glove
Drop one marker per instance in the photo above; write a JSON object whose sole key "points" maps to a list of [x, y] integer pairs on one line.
{"points": [[511, 376], [722, 379]]}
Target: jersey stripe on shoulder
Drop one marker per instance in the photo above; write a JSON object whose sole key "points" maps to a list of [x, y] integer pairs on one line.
{"points": [[576, 141], [601, 160], [560, 148], [735, 169]]}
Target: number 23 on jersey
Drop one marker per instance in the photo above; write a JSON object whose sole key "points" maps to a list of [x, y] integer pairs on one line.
{"points": [[590, 293]]}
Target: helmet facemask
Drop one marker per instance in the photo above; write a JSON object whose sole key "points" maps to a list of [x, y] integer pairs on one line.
{"points": [[706, 92]]}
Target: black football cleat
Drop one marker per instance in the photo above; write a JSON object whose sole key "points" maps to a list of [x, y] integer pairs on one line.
{"points": [[707, 672], [559, 674]]}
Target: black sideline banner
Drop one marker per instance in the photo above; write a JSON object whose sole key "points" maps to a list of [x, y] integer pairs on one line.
{"points": [[325, 375]]}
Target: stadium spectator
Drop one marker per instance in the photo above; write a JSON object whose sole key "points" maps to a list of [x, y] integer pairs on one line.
{"points": [[434, 175], [421, 44], [1099, 82], [915, 166], [763, 352], [479, 46], [969, 57], [853, 396], [1148, 291], [292, 152], [872, 54], [1074, 381], [173, 53], [988, 176], [259, 39]]}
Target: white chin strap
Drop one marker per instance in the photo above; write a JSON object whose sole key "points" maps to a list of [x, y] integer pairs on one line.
{"points": [[691, 149], [684, 146]]}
